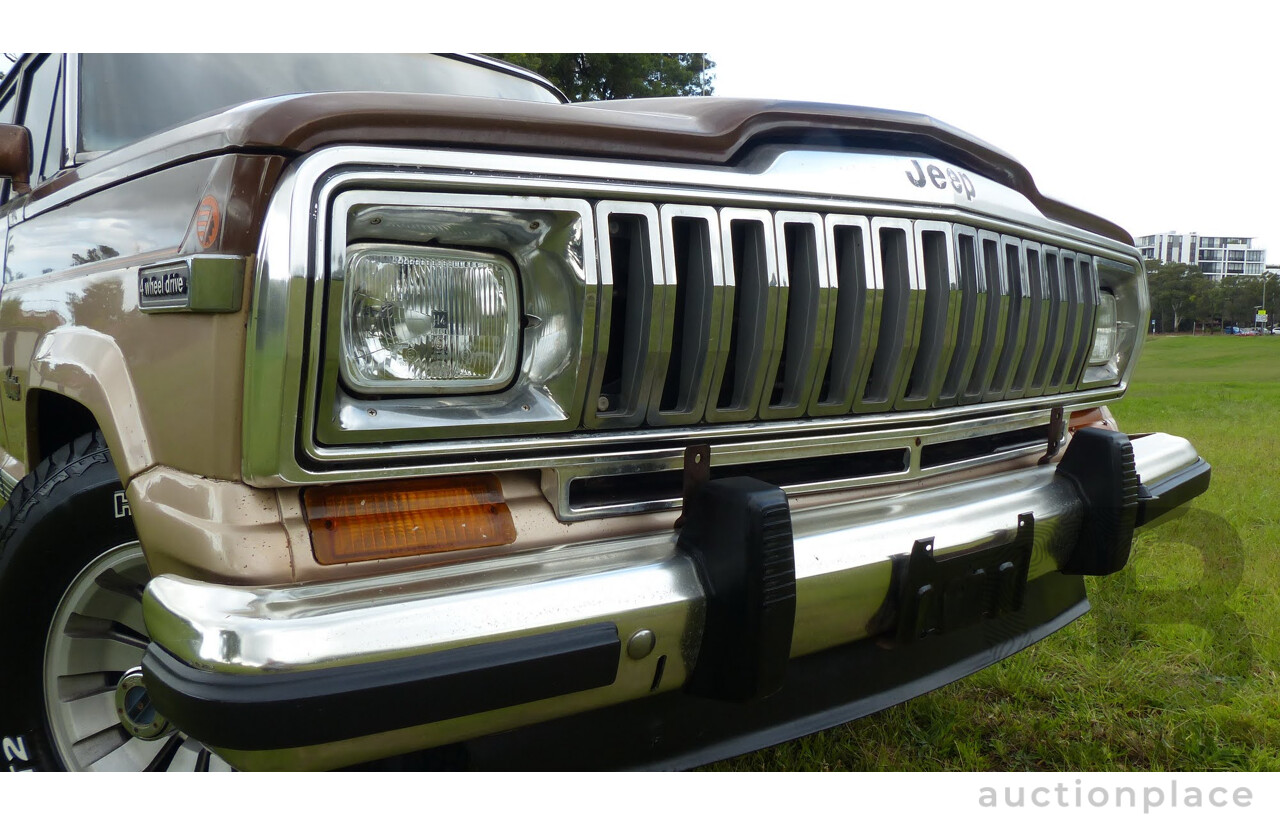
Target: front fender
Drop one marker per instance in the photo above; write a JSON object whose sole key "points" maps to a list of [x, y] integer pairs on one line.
{"points": [[88, 367]]}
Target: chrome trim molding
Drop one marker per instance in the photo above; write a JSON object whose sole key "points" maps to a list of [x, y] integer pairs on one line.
{"points": [[71, 109], [798, 187], [557, 480]]}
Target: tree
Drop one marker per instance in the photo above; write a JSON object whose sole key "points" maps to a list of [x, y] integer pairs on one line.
{"points": [[1244, 294], [1210, 310], [1178, 290], [1181, 292], [610, 76]]}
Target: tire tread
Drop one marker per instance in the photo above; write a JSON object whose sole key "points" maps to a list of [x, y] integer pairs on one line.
{"points": [[63, 463]]}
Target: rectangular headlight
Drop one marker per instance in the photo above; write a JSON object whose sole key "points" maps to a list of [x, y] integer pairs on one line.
{"points": [[428, 321]]}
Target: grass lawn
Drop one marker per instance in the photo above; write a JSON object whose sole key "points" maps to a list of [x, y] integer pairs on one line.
{"points": [[1175, 668]]}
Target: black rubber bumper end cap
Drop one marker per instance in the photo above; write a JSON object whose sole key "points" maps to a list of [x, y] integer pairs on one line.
{"points": [[1102, 467], [1168, 494], [738, 532]]}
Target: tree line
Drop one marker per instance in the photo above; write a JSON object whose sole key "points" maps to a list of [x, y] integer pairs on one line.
{"points": [[1183, 297], [611, 76]]}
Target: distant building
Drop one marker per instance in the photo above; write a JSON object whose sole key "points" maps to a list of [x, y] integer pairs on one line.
{"points": [[1216, 255]]}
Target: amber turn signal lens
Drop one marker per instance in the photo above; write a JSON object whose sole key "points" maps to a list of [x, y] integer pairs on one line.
{"points": [[391, 519]]}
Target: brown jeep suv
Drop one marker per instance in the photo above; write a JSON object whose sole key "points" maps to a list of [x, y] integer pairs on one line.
{"points": [[358, 406]]}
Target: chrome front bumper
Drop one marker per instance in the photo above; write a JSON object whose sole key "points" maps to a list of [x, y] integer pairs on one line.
{"points": [[599, 624]]}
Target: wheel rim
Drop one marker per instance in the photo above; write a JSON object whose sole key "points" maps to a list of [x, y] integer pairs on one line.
{"points": [[95, 645]]}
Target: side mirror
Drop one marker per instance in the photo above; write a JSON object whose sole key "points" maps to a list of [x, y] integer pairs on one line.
{"points": [[15, 157]]}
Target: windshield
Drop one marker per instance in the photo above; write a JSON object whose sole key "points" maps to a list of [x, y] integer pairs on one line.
{"points": [[124, 97]]}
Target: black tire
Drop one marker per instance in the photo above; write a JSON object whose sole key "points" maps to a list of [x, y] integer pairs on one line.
{"points": [[68, 548]]}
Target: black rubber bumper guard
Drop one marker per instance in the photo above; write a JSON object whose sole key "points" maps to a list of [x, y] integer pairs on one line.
{"points": [[738, 532]]}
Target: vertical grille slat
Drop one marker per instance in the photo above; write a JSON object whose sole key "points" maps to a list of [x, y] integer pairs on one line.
{"points": [[634, 327], [1019, 316], [757, 314], [1071, 324], [692, 257], [854, 329], [900, 318], [1037, 320], [973, 289], [940, 321], [1055, 325], [1088, 279], [995, 329], [802, 262]]}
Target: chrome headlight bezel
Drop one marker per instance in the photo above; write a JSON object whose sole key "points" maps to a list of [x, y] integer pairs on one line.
{"points": [[549, 245], [1122, 283]]}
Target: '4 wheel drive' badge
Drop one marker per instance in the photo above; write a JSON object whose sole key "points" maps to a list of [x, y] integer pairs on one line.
{"points": [[165, 287], [200, 283]]}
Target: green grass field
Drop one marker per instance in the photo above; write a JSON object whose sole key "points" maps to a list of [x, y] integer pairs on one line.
{"points": [[1175, 668]]}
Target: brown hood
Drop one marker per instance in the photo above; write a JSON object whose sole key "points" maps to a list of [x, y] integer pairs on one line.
{"points": [[709, 131]]}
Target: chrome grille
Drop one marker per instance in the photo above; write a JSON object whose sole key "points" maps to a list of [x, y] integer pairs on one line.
{"points": [[624, 353], [735, 315]]}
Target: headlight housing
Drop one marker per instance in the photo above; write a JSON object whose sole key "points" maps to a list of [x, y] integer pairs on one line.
{"points": [[428, 321], [1120, 317], [453, 316]]}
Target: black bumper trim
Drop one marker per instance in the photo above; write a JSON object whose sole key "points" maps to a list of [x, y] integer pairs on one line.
{"points": [[285, 710], [1174, 491]]}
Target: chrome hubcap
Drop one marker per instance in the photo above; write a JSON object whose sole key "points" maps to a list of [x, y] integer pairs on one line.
{"points": [[99, 712]]}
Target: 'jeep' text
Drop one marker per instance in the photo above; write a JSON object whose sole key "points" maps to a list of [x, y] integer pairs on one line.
{"points": [[958, 181]]}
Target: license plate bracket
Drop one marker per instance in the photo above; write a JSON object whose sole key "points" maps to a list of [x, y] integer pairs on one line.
{"points": [[938, 595]]}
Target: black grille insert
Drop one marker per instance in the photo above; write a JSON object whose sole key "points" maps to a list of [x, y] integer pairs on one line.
{"points": [[663, 485]]}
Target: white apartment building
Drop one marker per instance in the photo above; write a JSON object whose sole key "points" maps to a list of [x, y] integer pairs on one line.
{"points": [[1216, 255]]}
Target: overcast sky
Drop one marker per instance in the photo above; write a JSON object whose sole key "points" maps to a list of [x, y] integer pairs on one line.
{"points": [[1158, 116], [1161, 118]]}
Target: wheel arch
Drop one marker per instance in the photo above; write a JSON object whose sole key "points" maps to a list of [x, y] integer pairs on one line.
{"points": [[79, 381], [54, 420]]}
